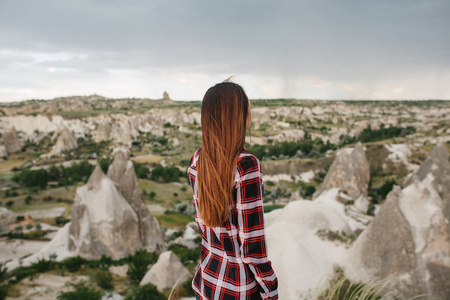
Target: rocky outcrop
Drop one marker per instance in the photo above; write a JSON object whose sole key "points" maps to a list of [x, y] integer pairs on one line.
{"points": [[6, 217], [65, 142], [3, 151], [407, 243], [101, 133], [349, 172], [300, 257], [122, 173], [102, 221], [437, 164], [11, 141], [167, 272]]}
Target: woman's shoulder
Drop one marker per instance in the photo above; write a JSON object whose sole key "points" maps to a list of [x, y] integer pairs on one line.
{"points": [[248, 160], [244, 157]]}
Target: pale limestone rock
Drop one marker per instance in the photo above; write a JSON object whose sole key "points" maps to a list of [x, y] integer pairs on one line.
{"points": [[349, 172], [300, 258], [65, 142], [437, 163], [101, 133], [167, 273], [3, 151], [103, 222], [6, 217], [407, 243], [11, 141], [122, 173]]}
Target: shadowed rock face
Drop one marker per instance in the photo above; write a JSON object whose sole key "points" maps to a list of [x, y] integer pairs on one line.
{"points": [[437, 163], [350, 172], [11, 141], [408, 241], [386, 248], [122, 173], [102, 221]]}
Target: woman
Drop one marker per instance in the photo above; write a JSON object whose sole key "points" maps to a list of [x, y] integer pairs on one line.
{"points": [[227, 189]]}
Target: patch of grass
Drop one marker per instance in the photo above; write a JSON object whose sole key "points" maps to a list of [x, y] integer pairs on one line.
{"points": [[335, 235], [174, 220], [82, 292], [340, 288], [163, 192], [269, 208]]}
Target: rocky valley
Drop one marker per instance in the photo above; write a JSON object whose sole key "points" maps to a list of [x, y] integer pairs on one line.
{"points": [[94, 195]]}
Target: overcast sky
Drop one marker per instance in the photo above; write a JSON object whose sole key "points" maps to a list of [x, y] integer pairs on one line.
{"points": [[380, 49]]}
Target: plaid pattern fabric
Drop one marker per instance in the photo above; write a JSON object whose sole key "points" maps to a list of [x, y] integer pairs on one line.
{"points": [[234, 262]]}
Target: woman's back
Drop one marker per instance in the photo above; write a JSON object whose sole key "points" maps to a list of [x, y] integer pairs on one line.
{"points": [[234, 263]]}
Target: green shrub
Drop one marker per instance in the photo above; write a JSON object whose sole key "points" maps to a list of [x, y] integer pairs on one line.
{"points": [[104, 280], [138, 264], [82, 292], [28, 199], [269, 208], [73, 264], [141, 171], [43, 265], [21, 273], [386, 188], [105, 163], [3, 271], [9, 203], [145, 292], [3, 292], [185, 254], [33, 178], [166, 174], [61, 220]]}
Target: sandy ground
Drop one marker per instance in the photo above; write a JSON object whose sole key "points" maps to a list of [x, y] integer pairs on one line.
{"points": [[47, 286], [156, 209], [15, 249], [64, 163], [45, 213]]}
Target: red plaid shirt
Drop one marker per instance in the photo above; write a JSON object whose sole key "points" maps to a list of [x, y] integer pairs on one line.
{"points": [[234, 262]]}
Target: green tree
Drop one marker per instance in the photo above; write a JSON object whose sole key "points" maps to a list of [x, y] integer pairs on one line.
{"points": [[139, 263], [82, 292], [145, 292]]}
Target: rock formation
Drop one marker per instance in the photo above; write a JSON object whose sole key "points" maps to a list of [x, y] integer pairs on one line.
{"points": [[437, 164], [122, 173], [11, 141], [349, 172], [167, 272], [408, 240], [3, 151], [65, 142], [102, 221], [102, 133], [6, 217], [300, 258], [166, 96]]}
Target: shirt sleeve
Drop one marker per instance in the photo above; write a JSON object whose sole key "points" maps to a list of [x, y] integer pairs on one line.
{"points": [[249, 206]]}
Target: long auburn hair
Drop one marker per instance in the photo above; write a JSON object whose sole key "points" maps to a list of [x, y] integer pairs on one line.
{"points": [[224, 118]]}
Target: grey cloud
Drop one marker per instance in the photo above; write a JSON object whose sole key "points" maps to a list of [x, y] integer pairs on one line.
{"points": [[359, 41]]}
